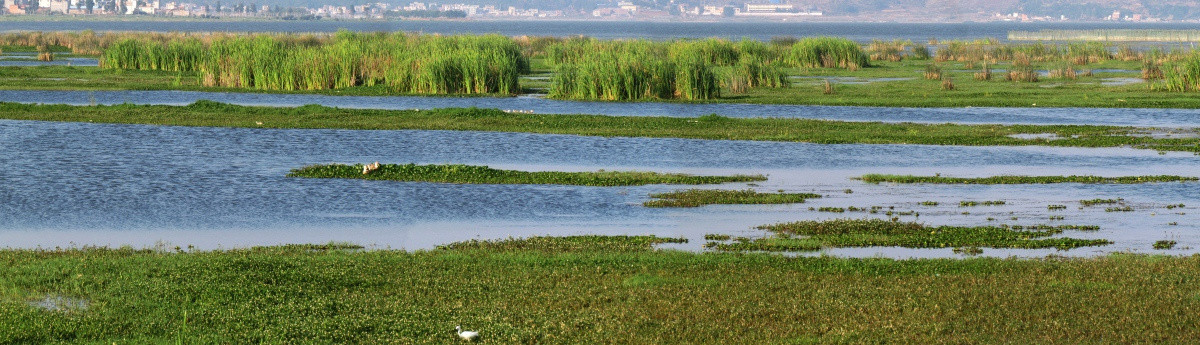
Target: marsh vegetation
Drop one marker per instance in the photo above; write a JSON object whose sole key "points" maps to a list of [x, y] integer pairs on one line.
{"points": [[457, 173]]}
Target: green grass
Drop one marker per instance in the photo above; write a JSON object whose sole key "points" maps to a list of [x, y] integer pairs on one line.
{"points": [[712, 127], [538, 294], [457, 173], [967, 203], [880, 178], [878, 232], [701, 197], [1098, 202]]}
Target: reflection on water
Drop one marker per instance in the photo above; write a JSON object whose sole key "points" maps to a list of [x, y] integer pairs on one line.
{"points": [[1101, 116], [83, 184]]}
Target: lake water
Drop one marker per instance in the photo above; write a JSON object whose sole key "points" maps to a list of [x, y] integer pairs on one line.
{"points": [[917, 32], [75, 184], [1098, 116]]}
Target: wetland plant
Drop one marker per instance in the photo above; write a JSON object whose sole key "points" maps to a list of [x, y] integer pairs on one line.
{"points": [[1009, 179], [1099, 201], [827, 52], [970, 251], [1056, 207], [701, 197], [879, 232], [455, 173], [1164, 244]]}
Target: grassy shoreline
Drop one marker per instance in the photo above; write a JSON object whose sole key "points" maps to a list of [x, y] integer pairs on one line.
{"points": [[710, 127], [908, 89], [469, 174], [584, 290]]}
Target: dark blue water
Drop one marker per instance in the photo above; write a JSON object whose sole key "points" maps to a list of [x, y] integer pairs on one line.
{"points": [[89, 184], [1097, 116], [917, 32]]}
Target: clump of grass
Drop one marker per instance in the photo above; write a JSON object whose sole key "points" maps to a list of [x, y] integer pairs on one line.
{"points": [[879, 178], [947, 84], [1056, 207], [716, 237], [1099, 202], [828, 88], [832, 209], [972, 250], [878, 232], [1119, 209], [1164, 244], [929, 203], [1175, 206], [700, 197], [933, 72], [920, 52], [827, 52], [984, 74], [1151, 70], [549, 244], [888, 50], [966, 203], [1064, 71], [455, 173]]}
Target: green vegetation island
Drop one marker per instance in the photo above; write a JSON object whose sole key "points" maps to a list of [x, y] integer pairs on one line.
{"points": [[701, 197], [880, 178], [586, 289], [458, 173], [811, 71], [709, 127]]}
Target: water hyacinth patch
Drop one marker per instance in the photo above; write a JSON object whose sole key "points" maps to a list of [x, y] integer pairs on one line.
{"points": [[456, 173], [878, 232], [879, 178], [700, 197]]}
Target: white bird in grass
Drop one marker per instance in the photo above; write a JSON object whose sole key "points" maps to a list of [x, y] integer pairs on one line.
{"points": [[466, 335]]}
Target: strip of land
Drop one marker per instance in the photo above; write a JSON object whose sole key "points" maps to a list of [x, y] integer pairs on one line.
{"points": [[815, 235], [711, 127], [586, 290], [457, 173], [880, 178], [701, 197]]}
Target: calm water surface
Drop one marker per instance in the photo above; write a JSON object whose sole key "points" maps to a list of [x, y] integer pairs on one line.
{"points": [[863, 32], [89, 184]]}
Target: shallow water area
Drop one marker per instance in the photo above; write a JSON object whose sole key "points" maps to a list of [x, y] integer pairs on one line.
{"points": [[541, 105], [77, 184]]}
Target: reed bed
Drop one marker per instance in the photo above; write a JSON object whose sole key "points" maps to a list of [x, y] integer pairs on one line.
{"points": [[827, 52], [684, 69], [455, 173], [1009, 179], [893, 51], [1181, 76], [1080, 53], [418, 64], [1108, 35], [985, 73], [839, 233]]}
